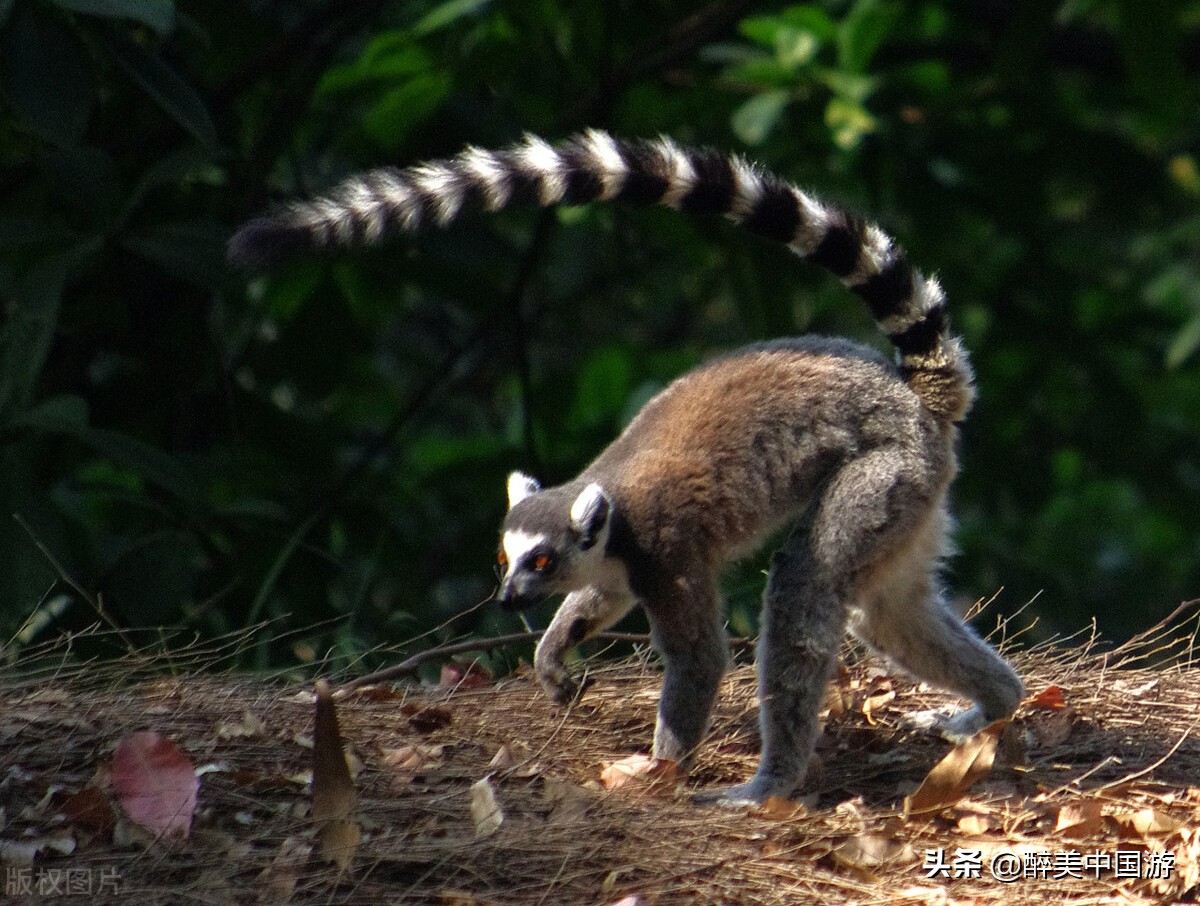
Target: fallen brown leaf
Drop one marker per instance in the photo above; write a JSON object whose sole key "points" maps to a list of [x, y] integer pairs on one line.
{"points": [[1143, 823], [640, 774], [427, 719], [778, 808], [974, 824], [486, 814], [89, 808], [379, 692], [568, 801], [503, 760], [1077, 820], [247, 725], [278, 880], [955, 774], [408, 761], [876, 700], [866, 852]]}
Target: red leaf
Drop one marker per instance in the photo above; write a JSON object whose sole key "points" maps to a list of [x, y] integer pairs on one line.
{"points": [[464, 676], [155, 783], [1050, 699]]}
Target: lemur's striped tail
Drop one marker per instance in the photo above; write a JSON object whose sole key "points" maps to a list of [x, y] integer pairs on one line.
{"points": [[909, 307]]}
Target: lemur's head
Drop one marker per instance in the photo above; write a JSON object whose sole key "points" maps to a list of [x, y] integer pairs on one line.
{"points": [[553, 540]]}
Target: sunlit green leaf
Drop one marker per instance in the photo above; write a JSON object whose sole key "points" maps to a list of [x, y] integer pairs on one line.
{"points": [[761, 29], [446, 14], [847, 122], [755, 119], [849, 86], [389, 121], [390, 57], [1185, 173], [795, 47], [1185, 344], [763, 71], [812, 19]]}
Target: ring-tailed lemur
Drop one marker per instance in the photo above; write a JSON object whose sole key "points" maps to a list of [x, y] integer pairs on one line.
{"points": [[824, 434]]}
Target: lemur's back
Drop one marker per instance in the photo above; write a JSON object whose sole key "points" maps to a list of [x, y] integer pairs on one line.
{"points": [[738, 447]]}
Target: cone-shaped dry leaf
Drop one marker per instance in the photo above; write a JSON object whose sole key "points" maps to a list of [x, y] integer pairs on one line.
{"points": [[333, 795], [155, 783], [955, 774]]}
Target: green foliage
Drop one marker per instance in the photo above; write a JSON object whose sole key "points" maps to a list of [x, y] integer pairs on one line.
{"points": [[326, 445]]}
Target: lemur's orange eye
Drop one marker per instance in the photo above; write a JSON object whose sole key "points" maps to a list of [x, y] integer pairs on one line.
{"points": [[502, 558], [543, 562]]}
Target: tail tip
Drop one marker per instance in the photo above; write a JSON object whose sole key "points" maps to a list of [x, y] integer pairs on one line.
{"points": [[263, 242]]}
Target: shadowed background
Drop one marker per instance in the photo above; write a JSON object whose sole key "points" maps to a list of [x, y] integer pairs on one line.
{"points": [[326, 445]]}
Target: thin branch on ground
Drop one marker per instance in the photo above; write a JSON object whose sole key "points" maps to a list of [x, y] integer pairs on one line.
{"points": [[410, 665]]}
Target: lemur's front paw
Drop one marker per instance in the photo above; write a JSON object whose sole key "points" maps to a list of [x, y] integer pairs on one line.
{"points": [[558, 683], [953, 726]]}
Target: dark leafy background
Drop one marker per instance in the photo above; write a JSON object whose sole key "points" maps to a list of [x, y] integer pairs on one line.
{"points": [[326, 446]]}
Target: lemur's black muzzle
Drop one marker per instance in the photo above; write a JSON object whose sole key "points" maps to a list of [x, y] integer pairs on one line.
{"points": [[513, 598]]}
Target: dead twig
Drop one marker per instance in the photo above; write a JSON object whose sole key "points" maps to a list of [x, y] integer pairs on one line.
{"points": [[409, 665]]}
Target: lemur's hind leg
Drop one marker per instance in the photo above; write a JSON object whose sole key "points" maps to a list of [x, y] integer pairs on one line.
{"points": [[866, 512], [802, 626], [906, 618]]}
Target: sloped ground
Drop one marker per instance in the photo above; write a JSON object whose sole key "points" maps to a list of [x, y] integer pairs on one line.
{"points": [[1111, 777]]}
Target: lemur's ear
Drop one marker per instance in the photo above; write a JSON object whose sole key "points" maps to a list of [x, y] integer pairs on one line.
{"points": [[520, 486], [589, 514]]}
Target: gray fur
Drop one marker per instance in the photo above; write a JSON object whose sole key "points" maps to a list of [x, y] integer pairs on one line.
{"points": [[854, 451]]}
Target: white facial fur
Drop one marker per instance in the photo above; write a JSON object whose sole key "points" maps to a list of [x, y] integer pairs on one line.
{"points": [[578, 569], [518, 544]]}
